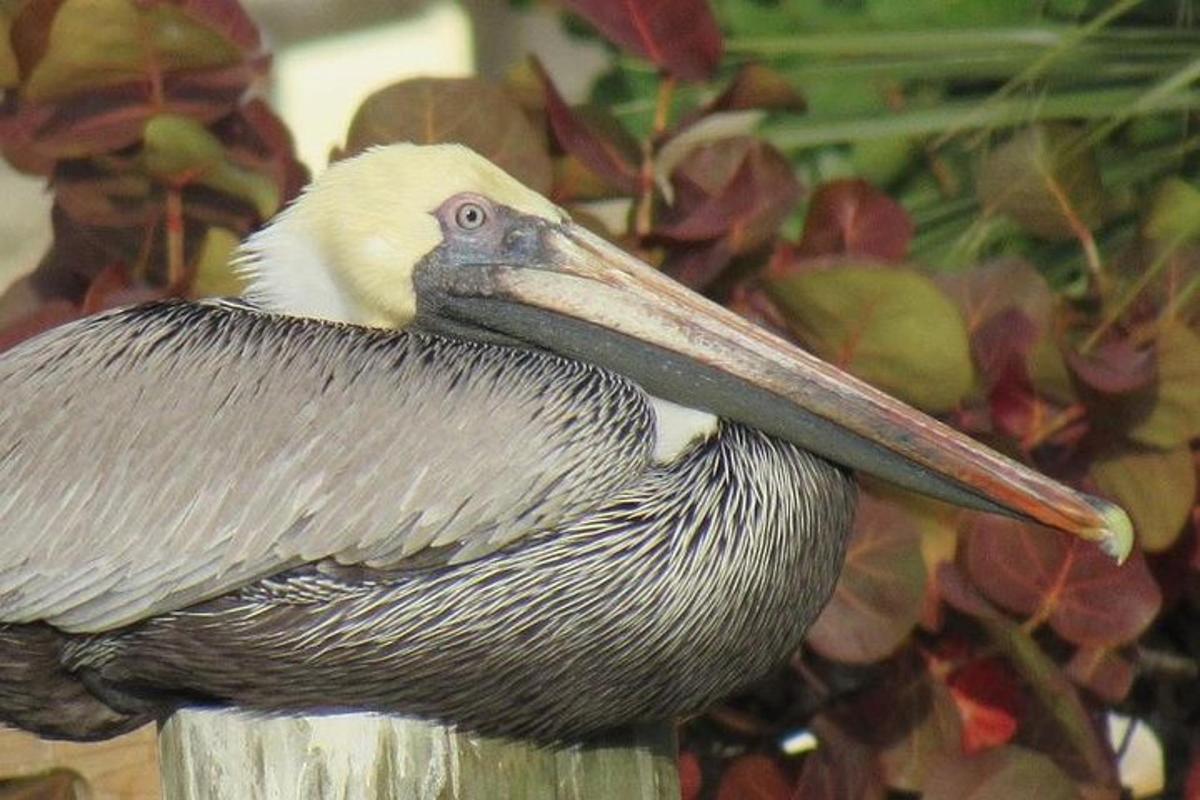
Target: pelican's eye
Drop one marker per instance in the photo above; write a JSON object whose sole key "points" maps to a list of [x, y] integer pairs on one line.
{"points": [[470, 216]]}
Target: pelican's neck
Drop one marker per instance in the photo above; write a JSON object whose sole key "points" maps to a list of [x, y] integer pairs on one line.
{"points": [[287, 272]]}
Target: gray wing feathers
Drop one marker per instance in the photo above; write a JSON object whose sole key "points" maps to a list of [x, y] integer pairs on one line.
{"points": [[155, 457]]}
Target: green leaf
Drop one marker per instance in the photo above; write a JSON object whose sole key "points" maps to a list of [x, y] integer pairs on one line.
{"points": [[1156, 487], [1174, 213], [890, 326], [10, 71], [92, 43], [214, 274], [1046, 179], [180, 149], [1175, 415], [1000, 774]]}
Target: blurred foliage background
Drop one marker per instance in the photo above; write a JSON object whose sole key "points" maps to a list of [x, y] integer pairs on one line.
{"points": [[988, 208]]}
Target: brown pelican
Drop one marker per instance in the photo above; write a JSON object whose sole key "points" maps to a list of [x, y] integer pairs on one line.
{"points": [[456, 458]]}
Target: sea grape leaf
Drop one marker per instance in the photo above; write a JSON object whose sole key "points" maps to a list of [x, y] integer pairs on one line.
{"points": [[842, 766], [754, 777], [43, 318], [999, 774], [1058, 721], [680, 36], [738, 189], [1175, 415], [881, 591], [890, 326], [214, 274], [989, 700], [469, 111], [594, 139], [908, 718], [35, 135], [697, 264], [1174, 213], [1156, 487], [1115, 366], [995, 287], [691, 781], [1045, 178], [756, 85], [10, 71], [1103, 671], [852, 217], [1084, 596], [69, 46]]}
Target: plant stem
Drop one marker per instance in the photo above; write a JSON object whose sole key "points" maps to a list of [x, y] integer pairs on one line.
{"points": [[1040, 37], [174, 226], [1095, 104], [1070, 40]]}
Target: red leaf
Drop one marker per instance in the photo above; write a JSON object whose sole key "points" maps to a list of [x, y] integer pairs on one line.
{"points": [[680, 36], [50, 315], [1191, 784], [908, 718], [987, 290], [751, 301], [698, 265], [690, 779], [739, 189], [754, 777], [35, 135], [1070, 583], [841, 767], [1001, 346], [989, 700], [852, 217], [1057, 722], [881, 591], [605, 154], [755, 86], [1116, 366], [758, 86], [1105, 672]]}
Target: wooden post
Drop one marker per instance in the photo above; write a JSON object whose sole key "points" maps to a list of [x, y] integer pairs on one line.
{"points": [[229, 755]]}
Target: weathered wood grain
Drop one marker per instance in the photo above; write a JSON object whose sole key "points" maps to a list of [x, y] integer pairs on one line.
{"points": [[227, 755]]}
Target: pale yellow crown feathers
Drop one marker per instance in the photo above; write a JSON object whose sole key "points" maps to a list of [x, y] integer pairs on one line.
{"points": [[347, 247]]}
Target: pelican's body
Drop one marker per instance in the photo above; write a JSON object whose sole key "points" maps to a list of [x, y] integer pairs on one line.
{"points": [[664, 586], [574, 497]]}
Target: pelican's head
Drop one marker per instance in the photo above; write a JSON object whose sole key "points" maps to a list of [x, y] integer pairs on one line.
{"points": [[440, 239], [348, 248]]}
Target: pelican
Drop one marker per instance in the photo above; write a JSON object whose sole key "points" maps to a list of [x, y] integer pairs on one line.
{"points": [[453, 457]]}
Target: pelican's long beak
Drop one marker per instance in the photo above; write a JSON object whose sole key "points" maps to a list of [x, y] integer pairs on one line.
{"points": [[592, 301]]}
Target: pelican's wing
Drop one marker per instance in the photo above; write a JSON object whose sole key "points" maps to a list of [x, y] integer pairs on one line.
{"points": [[154, 457]]}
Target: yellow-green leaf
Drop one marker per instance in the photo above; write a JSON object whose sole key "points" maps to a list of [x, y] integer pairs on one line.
{"points": [[214, 271], [892, 327], [175, 145], [1175, 416], [103, 42], [10, 71], [1156, 487], [1174, 212]]}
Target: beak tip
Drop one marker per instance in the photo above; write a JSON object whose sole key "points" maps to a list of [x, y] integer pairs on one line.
{"points": [[1115, 536]]}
